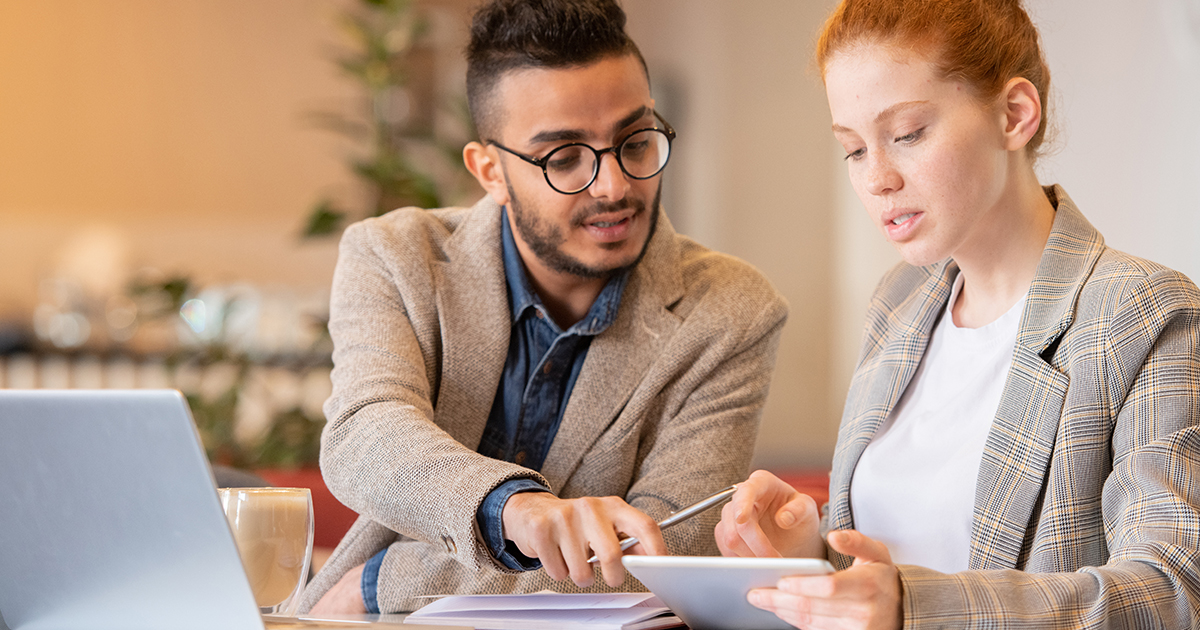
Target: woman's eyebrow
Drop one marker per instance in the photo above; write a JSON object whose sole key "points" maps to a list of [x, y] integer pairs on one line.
{"points": [[885, 114], [898, 108]]}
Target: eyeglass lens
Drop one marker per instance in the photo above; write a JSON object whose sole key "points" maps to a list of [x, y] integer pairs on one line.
{"points": [[642, 155]]}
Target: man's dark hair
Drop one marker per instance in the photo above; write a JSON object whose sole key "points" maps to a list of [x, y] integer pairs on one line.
{"points": [[508, 35]]}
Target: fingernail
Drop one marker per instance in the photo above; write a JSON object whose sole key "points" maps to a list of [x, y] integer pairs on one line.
{"points": [[787, 519]]}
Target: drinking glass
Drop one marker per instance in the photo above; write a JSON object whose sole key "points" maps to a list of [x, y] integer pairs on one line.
{"points": [[273, 528]]}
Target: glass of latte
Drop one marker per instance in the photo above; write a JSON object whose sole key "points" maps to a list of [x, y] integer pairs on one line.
{"points": [[273, 528]]}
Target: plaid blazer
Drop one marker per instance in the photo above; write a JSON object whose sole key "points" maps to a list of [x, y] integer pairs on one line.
{"points": [[1087, 506], [665, 410]]}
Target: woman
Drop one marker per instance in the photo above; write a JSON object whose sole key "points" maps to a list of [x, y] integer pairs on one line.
{"points": [[1019, 446]]}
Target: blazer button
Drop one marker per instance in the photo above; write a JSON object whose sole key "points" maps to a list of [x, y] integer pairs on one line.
{"points": [[449, 542]]}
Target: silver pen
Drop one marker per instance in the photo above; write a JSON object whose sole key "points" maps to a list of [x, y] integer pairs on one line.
{"points": [[682, 515]]}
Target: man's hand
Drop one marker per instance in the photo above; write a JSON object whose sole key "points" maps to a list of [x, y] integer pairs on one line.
{"points": [[564, 533], [344, 598], [867, 595], [767, 518]]}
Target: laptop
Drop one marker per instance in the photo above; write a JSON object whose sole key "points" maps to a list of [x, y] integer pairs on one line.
{"points": [[109, 518]]}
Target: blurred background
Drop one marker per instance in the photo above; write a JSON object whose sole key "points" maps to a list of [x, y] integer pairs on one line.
{"points": [[173, 176]]}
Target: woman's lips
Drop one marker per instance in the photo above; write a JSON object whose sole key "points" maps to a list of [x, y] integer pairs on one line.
{"points": [[902, 225]]}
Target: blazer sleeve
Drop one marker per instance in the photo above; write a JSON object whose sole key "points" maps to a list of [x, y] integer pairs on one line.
{"points": [[381, 452], [1150, 500], [705, 444]]}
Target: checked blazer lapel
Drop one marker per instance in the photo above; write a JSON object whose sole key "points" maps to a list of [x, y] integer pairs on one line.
{"points": [[885, 368], [619, 357], [1019, 447], [476, 323]]}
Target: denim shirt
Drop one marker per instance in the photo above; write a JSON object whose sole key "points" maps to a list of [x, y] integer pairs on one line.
{"points": [[539, 373]]}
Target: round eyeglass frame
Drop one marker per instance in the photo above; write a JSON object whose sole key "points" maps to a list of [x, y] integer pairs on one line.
{"points": [[541, 162]]}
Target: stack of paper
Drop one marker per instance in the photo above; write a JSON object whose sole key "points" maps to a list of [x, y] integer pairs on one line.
{"points": [[550, 611]]}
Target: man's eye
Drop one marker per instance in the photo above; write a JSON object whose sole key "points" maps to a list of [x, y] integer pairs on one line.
{"points": [[910, 138], [637, 147], [563, 163], [856, 155]]}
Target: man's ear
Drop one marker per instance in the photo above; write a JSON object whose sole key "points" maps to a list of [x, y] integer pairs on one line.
{"points": [[1022, 113], [484, 163]]}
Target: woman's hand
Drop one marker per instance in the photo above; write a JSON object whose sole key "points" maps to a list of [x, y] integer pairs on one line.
{"points": [[867, 595], [767, 518]]}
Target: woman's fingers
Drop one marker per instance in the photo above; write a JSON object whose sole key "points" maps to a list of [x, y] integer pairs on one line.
{"points": [[867, 595], [863, 549]]}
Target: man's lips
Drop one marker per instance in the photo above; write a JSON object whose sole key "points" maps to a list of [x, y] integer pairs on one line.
{"points": [[611, 227], [609, 219]]}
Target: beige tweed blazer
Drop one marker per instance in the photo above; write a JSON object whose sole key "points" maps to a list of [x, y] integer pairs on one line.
{"points": [[1087, 508], [665, 410]]}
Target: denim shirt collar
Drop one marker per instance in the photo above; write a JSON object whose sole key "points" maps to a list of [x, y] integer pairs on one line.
{"points": [[522, 297]]}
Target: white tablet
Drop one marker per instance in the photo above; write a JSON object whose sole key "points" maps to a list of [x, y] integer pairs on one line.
{"points": [[709, 593]]}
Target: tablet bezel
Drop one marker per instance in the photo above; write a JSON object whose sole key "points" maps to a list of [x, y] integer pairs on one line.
{"points": [[709, 592]]}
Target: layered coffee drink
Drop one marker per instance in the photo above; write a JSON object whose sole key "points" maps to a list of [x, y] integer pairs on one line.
{"points": [[273, 530]]}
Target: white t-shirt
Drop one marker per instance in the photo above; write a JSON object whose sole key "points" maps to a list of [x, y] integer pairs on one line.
{"points": [[914, 487]]}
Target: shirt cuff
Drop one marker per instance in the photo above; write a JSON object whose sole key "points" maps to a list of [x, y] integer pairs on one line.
{"points": [[370, 581], [491, 524]]}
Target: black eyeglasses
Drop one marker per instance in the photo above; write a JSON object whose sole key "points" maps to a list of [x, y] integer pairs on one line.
{"points": [[571, 168]]}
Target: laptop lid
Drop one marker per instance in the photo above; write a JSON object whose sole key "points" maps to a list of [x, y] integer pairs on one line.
{"points": [[109, 517]]}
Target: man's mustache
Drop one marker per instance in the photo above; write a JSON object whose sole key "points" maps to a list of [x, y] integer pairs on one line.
{"points": [[584, 215]]}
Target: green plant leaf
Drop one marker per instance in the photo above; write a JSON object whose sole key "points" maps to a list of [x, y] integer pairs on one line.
{"points": [[323, 220]]}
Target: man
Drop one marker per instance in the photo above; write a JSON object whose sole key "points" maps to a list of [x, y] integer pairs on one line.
{"points": [[518, 384]]}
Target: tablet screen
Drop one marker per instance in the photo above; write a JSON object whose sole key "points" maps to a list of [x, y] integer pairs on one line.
{"points": [[709, 593]]}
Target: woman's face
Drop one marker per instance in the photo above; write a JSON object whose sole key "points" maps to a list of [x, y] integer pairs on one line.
{"points": [[925, 157]]}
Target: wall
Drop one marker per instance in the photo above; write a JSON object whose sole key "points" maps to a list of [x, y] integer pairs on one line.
{"points": [[178, 128], [170, 128], [753, 179], [1127, 83]]}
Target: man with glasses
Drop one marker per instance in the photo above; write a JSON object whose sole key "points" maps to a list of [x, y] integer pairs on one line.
{"points": [[519, 384]]}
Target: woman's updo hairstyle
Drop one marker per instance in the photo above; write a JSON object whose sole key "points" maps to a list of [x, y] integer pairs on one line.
{"points": [[983, 43]]}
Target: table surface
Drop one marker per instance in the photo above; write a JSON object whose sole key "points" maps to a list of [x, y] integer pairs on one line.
{"points": [[350, 622]]}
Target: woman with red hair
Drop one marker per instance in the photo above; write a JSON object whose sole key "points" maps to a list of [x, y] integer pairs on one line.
{"points": [[1020, 442]]}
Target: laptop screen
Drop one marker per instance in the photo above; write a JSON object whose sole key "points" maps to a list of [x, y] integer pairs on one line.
{"points": [[110, 516]]}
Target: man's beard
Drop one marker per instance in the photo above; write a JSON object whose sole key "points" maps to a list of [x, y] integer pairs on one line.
{"points": [[546, 239]]}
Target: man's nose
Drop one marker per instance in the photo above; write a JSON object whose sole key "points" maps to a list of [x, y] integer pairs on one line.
{"points": [[611, 182]]}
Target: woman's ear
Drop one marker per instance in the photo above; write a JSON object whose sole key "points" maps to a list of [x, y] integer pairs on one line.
{"points": [[484, 163], [1022, 113]]}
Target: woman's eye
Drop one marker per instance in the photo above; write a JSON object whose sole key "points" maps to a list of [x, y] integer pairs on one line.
{"points": [[856, 154], [911, 137]]}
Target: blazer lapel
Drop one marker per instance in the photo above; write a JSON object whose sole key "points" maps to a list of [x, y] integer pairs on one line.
{"points": [[618, 358], [1012, 473], [476, 323], [881, 378]]}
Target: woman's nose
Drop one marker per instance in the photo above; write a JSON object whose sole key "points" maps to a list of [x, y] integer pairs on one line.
{"points": [[881, 176]]}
